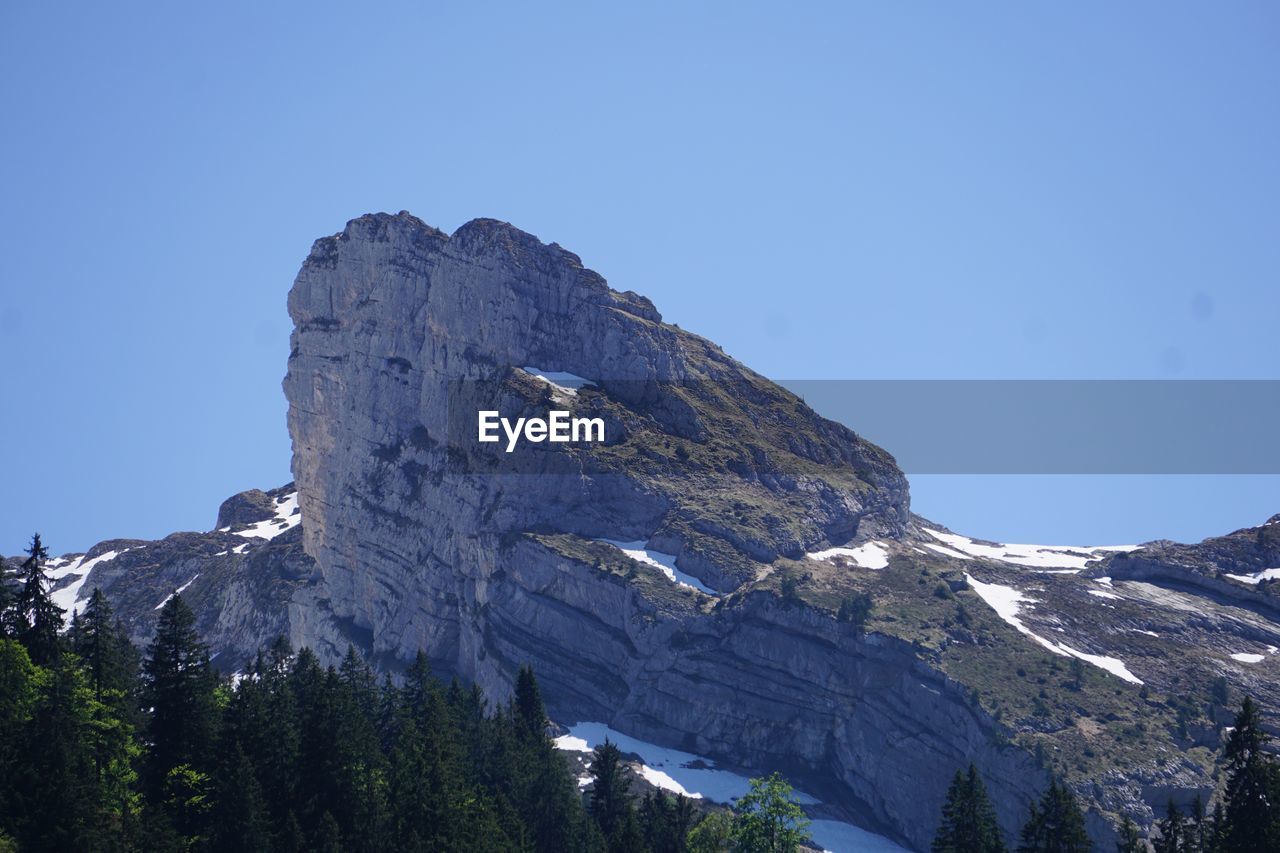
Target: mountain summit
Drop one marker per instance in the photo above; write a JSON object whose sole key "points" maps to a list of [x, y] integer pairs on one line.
{"points": [[726, 573]]}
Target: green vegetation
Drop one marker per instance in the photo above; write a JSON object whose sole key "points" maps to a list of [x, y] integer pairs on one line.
{"points": [[104, 749], [767, 820], [968, 820], [1245, 818]]}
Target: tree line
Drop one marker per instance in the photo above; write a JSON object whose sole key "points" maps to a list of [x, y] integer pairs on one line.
{"points": [[107, 748], [1245, 818]]}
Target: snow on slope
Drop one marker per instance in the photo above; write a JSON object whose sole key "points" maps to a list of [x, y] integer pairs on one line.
{"points": [[1069, 557], [1007, 603], [566, 383], [665, 563], [286, 517], [1257, 577], [179, 591], [871, 555], [80, 567], [698, 778], [1247, 657]]}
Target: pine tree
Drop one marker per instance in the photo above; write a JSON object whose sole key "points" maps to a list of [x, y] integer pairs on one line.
{"points": [[58, 788], [1130, 840], [1197, 833], [665, 822], [769, 820], [1171, 827], [1252, 789], [531, 714], [240, 822], [610, 800], [110, 659], [526, 768], [968, 819], [38, 620], [1217, 833], [8, 602], [179, 685], [1056, 824]]}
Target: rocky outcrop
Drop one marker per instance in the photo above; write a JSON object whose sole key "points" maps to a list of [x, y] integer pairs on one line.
{"points": [[731, 637]]}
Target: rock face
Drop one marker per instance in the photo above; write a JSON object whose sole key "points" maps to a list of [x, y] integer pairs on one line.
{"points": [[694, 579], [391, 315]]}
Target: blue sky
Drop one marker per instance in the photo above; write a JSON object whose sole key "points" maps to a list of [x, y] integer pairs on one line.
{"points": [[875, 190]]}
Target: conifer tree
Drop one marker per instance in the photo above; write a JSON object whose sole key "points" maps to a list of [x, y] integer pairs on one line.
{"points": [[540, 788], [665, 822], [611, 803], [38, 620], [1056, 824], [531, 714], [1171, 827], [968, 819], [1197, 833], [179, 683], [1130, 840], [110, 659], [8, 602], [1252, 818], [240, 822], [1216, 835], [58, 790]]}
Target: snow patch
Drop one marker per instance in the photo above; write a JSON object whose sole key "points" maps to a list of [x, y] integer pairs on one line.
{"points": [[837, 837], [699, 778], [177, 591], [1247, 657], [942, 549], [1032, 556], [287, 516], [1007, 603], [1257, 577], [566, 383], [665, 563], [1104, 594], [871, 555], [66, 597]]}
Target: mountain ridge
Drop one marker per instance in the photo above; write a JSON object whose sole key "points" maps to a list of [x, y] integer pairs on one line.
{"points": [[775, 517]]}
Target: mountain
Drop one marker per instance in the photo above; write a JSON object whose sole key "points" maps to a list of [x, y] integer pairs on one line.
{"points": [[726, 575]]}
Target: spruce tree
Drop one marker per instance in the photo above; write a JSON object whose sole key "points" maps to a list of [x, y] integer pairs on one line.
{"points": [[110, 659], [179, 684], [1252, 818], [38, 620], [531, 714], [1170, 839], [240, 822], [1056, 824], [1197, 832], [8, 602], [1130, 840], [968, 819], [665, 822], [58, 787], [611, 803]]}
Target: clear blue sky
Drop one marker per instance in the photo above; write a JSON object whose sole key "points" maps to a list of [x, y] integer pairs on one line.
{"points": [[873, 190]]}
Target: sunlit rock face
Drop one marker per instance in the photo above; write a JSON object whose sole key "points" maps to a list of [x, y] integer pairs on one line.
{"points": [[693, 579]]}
